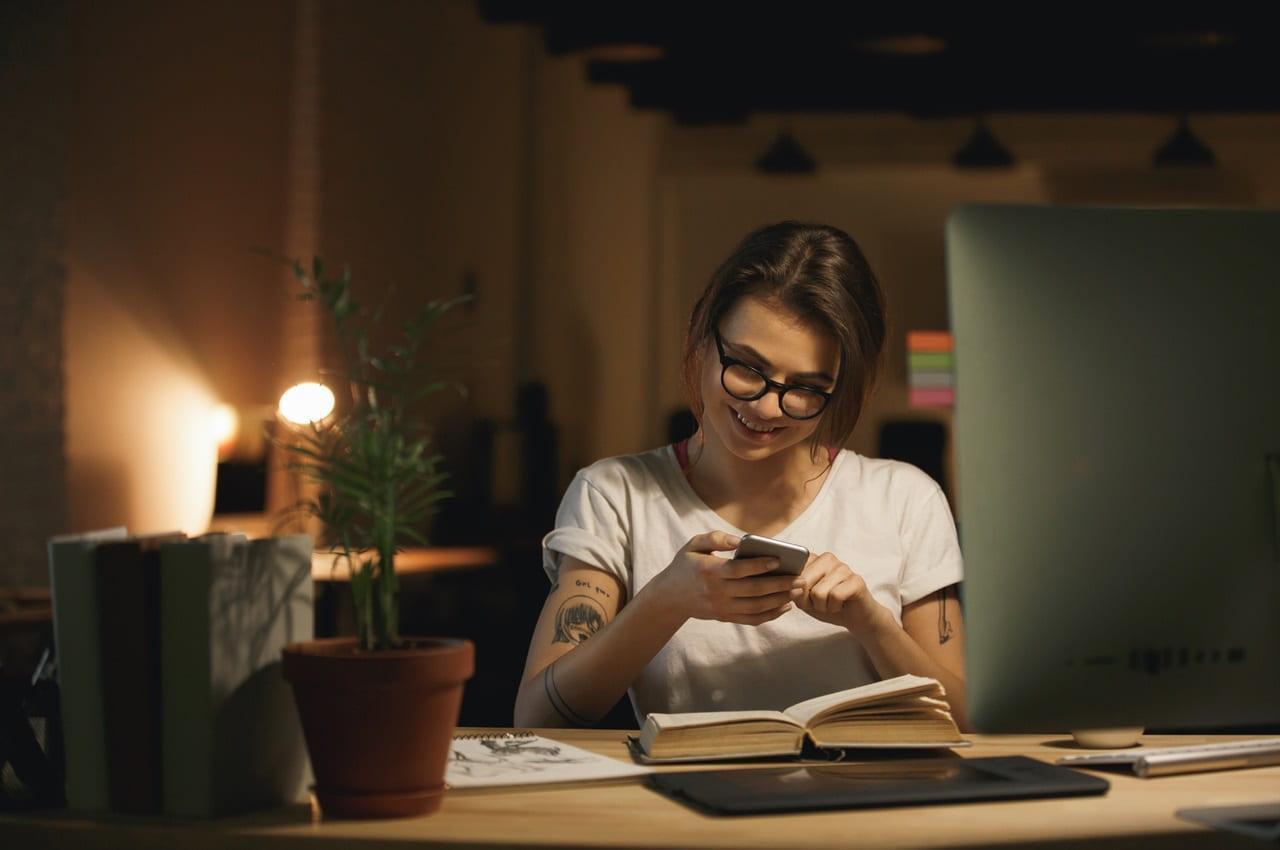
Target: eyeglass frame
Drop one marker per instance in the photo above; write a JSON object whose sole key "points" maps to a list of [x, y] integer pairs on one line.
{"points": [[782, 389]]}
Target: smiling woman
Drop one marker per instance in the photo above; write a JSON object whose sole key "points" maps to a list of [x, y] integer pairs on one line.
{"points": [[781, 354]]}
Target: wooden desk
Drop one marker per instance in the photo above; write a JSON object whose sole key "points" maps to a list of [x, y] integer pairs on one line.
{"points": [[1135, 813], [334, 617], [327, 566], [25, 609]]}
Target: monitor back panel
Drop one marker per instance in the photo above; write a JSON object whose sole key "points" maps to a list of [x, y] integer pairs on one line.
{"points": [[1118, 464]]}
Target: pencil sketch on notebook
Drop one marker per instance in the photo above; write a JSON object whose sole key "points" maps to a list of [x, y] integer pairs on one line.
{"points": [[505, 756]]}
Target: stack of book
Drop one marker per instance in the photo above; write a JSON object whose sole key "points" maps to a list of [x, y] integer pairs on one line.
{"points": [[168, 667]]}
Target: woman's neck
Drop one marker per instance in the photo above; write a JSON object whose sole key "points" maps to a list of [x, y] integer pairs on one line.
{"points": [[719, 476]]}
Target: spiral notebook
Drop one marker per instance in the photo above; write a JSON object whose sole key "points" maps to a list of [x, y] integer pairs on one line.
{"points": [[513, 759]]}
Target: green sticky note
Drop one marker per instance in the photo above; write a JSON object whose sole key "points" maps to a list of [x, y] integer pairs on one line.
{"points": [[928, 360]]}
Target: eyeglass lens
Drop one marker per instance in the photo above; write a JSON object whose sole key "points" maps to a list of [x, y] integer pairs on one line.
{"points": [[743, 383]]}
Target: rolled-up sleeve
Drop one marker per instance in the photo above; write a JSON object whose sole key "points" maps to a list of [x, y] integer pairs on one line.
{"points": [[590, 528], [932, 551]]}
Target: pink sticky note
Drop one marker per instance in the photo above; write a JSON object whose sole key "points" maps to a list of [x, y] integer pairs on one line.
{"points": [[932, 397]]}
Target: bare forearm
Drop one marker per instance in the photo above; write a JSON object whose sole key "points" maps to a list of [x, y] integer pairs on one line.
{"points": [[894, 652], [582, 685]]}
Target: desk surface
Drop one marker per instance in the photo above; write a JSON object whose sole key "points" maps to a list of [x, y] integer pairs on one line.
{"points": [[1135, 813], [327, 566], [25, 609]]}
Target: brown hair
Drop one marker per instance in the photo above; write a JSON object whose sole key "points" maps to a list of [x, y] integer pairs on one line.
{"points": [[820, 274]]}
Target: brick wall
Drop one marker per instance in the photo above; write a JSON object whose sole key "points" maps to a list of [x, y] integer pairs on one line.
{"points": [[34, 98]]}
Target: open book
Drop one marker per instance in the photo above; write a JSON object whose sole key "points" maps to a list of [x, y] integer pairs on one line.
{"points": [[907, 711]]}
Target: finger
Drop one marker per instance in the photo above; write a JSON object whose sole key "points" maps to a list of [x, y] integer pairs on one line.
{"points": [[744, 567], [712, 541], [759, 619], [844, 594], [757, 604], [818, 567], [808, 581], [760, 585], [825, 596]]}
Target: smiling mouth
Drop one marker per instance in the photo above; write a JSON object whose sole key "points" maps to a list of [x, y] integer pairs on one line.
{"points": [[751, 426]]}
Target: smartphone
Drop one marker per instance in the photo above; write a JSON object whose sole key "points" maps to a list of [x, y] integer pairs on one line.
{"points": [[791, 558]]}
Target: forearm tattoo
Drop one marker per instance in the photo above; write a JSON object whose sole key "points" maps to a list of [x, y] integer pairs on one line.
{"points": [[580, 616], [945, 631], [557, 701]]}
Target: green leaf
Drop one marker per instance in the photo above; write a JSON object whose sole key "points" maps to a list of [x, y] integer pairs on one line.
{"points": [[378, 480], [413, 535]]}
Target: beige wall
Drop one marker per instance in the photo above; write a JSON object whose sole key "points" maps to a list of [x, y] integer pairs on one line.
{"points": [[421, 143], [177, 169], [595, 237], [451, 146], [34, 106]]}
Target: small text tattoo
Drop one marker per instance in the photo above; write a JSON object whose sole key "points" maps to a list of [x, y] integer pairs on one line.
{"points": [[945, 631], [589, 586], [579, 618]]}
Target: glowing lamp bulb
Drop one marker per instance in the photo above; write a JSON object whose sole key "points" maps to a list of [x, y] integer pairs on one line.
{"points": [[302, 404]]}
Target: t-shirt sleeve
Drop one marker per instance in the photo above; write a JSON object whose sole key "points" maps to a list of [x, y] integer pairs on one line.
{"points": [[589, 528], [932, 550]]}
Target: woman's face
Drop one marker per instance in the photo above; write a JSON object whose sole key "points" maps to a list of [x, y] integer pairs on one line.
{"points": [[776, 342]]}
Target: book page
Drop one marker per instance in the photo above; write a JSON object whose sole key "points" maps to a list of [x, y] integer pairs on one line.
{"points": [[902, 706], [527, 759], [887, 690], [693, 719]]}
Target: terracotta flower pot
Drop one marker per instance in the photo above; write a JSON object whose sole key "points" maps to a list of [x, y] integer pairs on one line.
{"points": [[378, 724]]}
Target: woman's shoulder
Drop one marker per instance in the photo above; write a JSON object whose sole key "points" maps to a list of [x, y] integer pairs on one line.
{"points": [[620, 472], [896, 480]]}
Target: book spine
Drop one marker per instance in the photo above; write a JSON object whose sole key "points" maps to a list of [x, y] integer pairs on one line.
{"points": [[129, 633], [73, 586], [232, 739], [187, 715]]}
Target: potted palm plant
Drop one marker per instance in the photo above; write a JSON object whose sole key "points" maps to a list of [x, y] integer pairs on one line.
{"points": [[378, 710]]}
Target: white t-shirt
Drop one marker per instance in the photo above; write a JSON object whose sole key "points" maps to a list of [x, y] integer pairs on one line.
{"points": [[887, 520]]}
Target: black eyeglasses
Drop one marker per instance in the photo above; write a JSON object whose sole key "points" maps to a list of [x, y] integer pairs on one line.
{"points": [[747, 383]]}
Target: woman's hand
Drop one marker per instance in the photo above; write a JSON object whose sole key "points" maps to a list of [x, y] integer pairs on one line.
{"points": [[704, 586], [829, 590]]}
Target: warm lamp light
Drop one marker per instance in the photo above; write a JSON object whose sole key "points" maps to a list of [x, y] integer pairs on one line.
{"points": [[303, 404], [224, 427]]}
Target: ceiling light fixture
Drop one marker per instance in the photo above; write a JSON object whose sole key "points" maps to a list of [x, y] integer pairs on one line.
{"points": [[917, 44], [626, 53], [786, 157], [1183, 148], [982, 150]]}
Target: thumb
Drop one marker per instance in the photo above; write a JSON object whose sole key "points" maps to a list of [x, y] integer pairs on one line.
{"points": [[713, 541]]}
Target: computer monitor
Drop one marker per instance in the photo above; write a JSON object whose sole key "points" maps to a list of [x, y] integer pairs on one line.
{"points": [[1118, 465]]}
